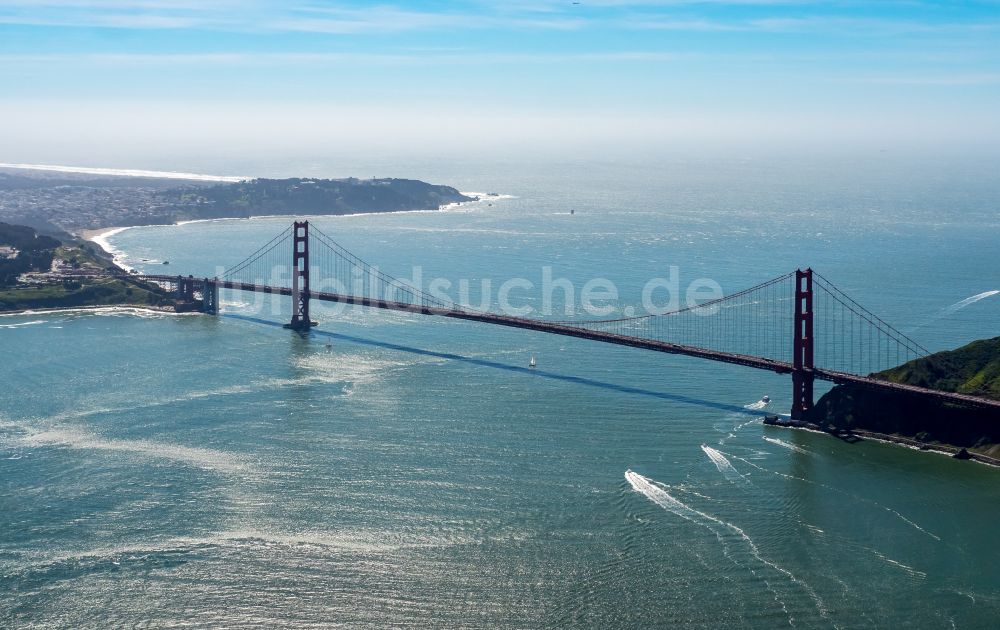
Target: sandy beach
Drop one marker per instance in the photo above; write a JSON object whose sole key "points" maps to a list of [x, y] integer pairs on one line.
{"points": [[98, 234]]}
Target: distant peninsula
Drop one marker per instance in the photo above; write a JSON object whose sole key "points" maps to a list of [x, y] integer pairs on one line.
{"points": [[261, 197], [45, 215], [973, 369], [60, 202]]}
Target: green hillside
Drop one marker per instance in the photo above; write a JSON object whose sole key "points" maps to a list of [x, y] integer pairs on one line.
{"points": [[35, 252], [79, 278], [972, 369]]}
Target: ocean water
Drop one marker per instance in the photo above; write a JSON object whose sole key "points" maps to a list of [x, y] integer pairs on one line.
{"points": [[397, 470]]}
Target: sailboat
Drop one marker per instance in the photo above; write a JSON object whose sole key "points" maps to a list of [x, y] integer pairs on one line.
{"points": [[532, 363]]}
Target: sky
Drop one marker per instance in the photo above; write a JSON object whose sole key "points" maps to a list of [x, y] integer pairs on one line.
{"points": [[116, 81]]}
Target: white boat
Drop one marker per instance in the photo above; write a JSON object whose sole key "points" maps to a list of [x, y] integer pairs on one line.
{"points": [[532, 363]]}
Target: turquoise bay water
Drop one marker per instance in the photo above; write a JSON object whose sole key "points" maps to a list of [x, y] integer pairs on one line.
{"points": [[395, 470]]}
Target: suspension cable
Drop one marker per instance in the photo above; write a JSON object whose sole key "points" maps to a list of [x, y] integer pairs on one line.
{"points": [[260, 253]]}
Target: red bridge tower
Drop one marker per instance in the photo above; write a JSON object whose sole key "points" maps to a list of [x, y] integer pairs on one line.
{"points": [[802, 345], [300, 277]]}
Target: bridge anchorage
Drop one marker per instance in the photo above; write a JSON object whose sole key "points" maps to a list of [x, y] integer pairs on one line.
{"points": [[798, 324], [187, 291]]}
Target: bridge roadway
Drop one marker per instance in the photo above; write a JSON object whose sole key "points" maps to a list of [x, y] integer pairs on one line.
{"points": [[760, 363]]}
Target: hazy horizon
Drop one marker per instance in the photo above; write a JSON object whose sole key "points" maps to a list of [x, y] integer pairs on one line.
{"points": [[121, 84]]}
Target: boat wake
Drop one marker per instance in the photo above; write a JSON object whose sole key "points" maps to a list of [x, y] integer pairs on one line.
{"points": [[915, 573], [956, 307], [839, 491], [748, 423], [19, 325], [784, 444], [725, 533], [723, 464]]}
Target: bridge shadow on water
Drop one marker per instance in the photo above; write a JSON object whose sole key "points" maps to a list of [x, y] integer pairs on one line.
{"points": [[535, 372]]}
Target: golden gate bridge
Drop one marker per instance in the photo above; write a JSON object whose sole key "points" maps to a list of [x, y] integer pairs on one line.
{"points": [[799, 323]]}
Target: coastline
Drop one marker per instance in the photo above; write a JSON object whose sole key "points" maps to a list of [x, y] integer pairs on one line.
{"points": [[101, 237], [119, 308], [101, 234], [888, 438], [123, 172], [93, 234]]}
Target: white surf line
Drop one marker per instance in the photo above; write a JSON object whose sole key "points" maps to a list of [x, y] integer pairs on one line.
{"points": [[117, 255], [723, 464], [485, 196], [788, 445], [661, 497], [123, 172], [108, 311], [838, 490]]}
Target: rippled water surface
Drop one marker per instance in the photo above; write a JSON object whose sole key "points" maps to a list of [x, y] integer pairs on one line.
{"points": [[395, 470]]}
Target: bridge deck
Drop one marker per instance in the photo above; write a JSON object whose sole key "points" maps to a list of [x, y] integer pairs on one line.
{"points": [[772, 365]]}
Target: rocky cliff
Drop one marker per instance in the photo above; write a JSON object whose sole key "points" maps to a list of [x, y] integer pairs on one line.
{"points": [[972, 369]]}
